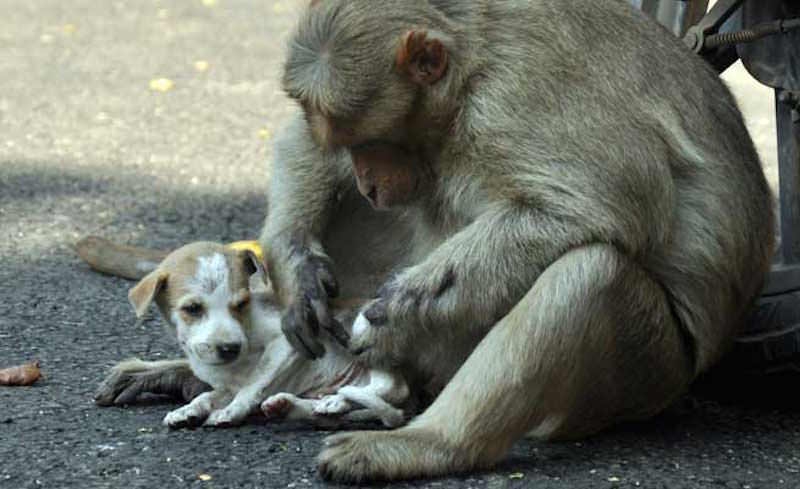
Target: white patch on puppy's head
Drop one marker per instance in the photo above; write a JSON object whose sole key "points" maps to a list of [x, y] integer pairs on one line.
{"points": [[212, 272]]}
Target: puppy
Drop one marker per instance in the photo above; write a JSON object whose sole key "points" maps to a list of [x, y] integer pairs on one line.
{"points": [[217, 301]]}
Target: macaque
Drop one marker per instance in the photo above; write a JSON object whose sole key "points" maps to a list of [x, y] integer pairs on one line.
{"points": [[576, 259], [388, 176], [591, 226]]}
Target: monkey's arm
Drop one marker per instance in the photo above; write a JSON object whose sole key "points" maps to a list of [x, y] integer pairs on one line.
{"points": [[303, 193], [470, 281]]}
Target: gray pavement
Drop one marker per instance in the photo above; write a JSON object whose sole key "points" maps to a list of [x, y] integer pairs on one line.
{"points": [[87, 147]]}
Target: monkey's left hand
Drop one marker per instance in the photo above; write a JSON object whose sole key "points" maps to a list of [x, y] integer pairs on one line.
{"points": [[383, 332]]}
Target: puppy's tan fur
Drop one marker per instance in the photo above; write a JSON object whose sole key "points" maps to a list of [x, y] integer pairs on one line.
{"points": [[229, 328]]}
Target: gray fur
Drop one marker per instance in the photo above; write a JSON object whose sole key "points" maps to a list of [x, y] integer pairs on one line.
{"points": [[565, 135]]}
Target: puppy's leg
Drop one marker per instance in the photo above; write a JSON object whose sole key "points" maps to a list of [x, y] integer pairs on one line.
{"points": [[283, 364], [194, 413], [288, 406], [593, 342], [131, 378], [377, 397]]}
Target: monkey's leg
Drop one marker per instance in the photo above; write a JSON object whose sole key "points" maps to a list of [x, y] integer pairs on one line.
{"points": [[131, 378], [593, 342]]}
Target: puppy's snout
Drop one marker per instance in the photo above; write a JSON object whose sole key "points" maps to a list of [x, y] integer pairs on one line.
{"points": [[229, 351]]}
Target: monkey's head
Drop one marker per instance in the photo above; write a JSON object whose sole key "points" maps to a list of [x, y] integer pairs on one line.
{"points": [[366, 72]]}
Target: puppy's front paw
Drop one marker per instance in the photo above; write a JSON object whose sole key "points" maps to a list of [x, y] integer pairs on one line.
{"points": [[186, 417], [232, 415]]}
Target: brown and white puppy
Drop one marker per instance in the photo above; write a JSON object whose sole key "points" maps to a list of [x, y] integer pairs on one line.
{"points": [[229, 328]]}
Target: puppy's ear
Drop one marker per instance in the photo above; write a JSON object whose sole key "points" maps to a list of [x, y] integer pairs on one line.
{"points": [[143, 294], [252, 264]]}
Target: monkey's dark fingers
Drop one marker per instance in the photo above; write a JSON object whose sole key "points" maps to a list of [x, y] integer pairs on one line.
{"points": [[326, 321], [339, 333], [328, 280], [115, 385], [377, 313], [129, 394], [108, 390], [192, 388], [301, 330]]}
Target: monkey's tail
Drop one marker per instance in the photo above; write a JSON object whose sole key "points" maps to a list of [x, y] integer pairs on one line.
{"points": [[129, 262]]}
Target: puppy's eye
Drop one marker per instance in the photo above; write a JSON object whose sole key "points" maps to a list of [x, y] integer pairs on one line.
{"points": [[242, 304], [193, 309]]}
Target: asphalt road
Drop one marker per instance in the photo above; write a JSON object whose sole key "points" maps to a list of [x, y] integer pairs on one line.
{"points": [[88, 147]]}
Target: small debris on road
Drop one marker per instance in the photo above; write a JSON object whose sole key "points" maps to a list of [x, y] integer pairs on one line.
{"points": [[161, 85], [21, 375]]}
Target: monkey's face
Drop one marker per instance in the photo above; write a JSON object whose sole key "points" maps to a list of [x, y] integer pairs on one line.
{"points": [[360, 70], [388, 175]]}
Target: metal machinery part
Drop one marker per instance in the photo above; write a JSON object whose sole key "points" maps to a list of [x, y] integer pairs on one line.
{"points": [[764, 34], [675, 15]]}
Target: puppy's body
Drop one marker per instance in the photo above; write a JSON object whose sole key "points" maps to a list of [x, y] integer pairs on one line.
{"points": [[229, 328]]}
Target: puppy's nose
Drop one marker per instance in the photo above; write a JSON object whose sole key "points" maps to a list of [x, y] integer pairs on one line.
{"points": [[229, 351]]}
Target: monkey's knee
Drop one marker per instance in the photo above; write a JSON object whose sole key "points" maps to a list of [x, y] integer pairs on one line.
{"points": [[593, 342], [622, 354]]}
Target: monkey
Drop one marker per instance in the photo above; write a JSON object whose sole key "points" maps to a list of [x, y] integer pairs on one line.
{"points": [[578, 260], [389, 176], [594, 225]]}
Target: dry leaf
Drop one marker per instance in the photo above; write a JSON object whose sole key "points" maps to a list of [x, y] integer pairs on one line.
{"points": [[69, 29], [21, 375], [161, 85], [204, 477], [201, 65]]}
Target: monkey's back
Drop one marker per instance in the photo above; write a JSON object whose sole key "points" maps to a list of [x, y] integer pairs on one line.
{"points": [[627, 131]]}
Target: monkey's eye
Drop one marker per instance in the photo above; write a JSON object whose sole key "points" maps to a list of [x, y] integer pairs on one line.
{"points": [[193, 309], [242, 304]]}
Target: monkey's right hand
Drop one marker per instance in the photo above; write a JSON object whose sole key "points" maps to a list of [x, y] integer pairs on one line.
{"points": [[308, 308]]}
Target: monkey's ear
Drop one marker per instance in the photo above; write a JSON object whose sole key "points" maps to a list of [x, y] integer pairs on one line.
{"points": [[143, 294], [422, 56]]}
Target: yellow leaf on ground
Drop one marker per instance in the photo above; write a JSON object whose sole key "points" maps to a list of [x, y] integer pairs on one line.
{"points": [[69, 29], [201, 65], [209, 3], [264, 134], [516, 476], [204, 477], [161, 85]]}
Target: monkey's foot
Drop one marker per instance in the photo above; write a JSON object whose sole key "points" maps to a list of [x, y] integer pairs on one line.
{"points": [[364, 456], [128, 380]]}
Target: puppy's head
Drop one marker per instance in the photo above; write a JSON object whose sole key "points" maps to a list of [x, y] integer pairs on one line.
{"points": [[203, 292]]}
